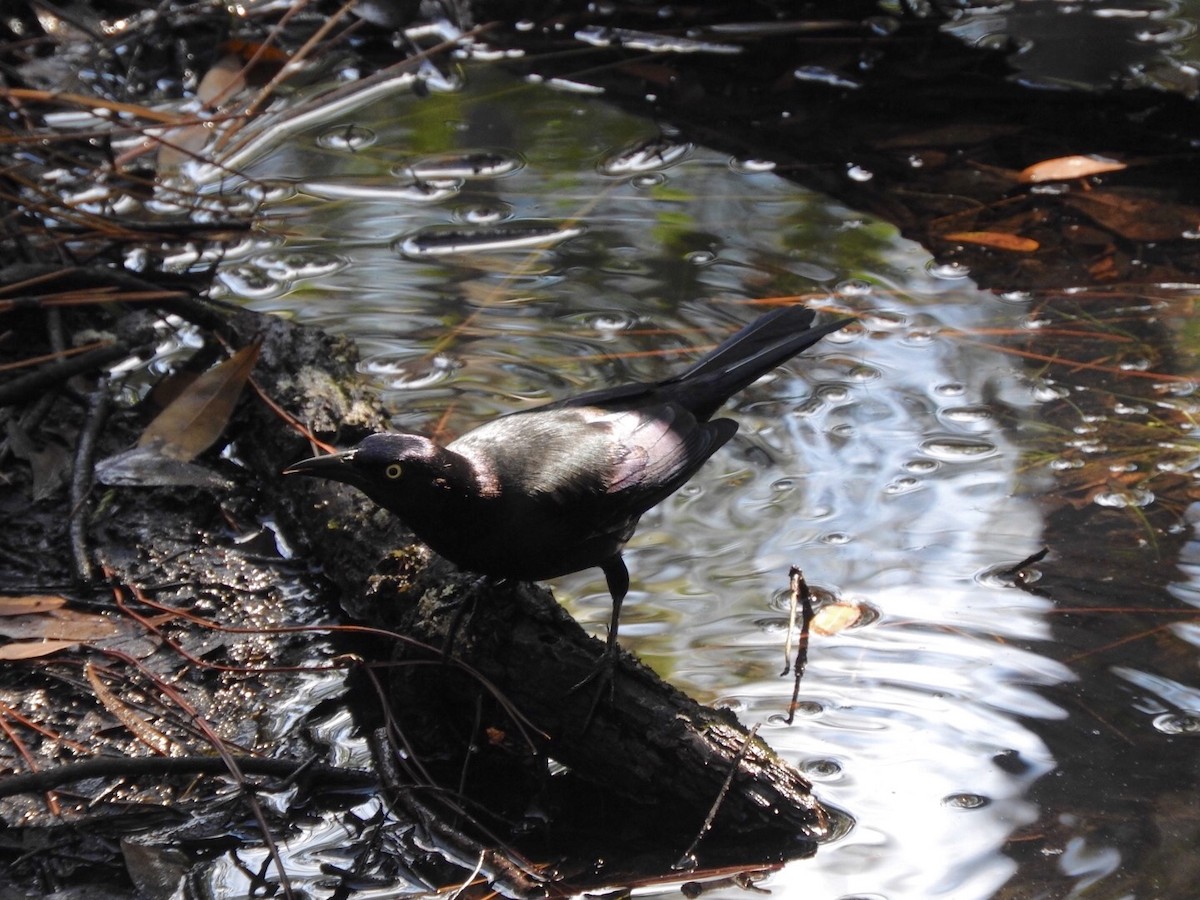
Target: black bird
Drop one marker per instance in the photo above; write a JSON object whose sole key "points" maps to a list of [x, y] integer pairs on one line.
{"points": [[559, 488]]}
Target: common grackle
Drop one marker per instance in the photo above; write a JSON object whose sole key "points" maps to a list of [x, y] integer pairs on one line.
{"points": [[559, 488]]}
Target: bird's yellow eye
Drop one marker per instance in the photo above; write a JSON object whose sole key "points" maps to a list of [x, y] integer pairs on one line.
{"points": [[393, 471]]}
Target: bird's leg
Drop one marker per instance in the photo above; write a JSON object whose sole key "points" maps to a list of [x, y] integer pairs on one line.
{"points": [[617, 577], [466, 604]]}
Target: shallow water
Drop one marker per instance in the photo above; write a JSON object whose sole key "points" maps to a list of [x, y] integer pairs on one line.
{"points": [[497, 243], [1134, 43]]}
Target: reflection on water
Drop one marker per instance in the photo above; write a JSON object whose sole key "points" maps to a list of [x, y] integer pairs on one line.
{"points": [[1092, 45], [510, 243]]}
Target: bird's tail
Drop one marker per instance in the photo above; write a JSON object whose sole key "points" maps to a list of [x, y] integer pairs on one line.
{"points": [[744, 357]]}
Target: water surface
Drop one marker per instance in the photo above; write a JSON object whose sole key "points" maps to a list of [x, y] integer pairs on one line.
{"points": [[495, 243]]}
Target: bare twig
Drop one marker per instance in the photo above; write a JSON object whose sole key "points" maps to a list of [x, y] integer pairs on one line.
{"points": [[51, 800], [688, 860], [48, 376], [800, 594], [124, 766], [81, 479], [92, 103], [1015, 572]]}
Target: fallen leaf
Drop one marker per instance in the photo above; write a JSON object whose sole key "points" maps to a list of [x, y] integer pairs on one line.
{"points": [[149, 467], [155, 868], [836, 617], [168, 388], [18, 650], [1104, 269], [1064, 168], [58, 624], [997, 240], [128, 717], [1136, 216], [223, 79], [496, 736], [30, 603], [194, 420], [177, 146]]}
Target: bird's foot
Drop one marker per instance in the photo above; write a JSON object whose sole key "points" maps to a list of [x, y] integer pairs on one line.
{"points": [[464, 605], [603, 679]]}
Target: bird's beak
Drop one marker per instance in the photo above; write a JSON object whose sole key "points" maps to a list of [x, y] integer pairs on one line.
{"points": [[334, 466]]}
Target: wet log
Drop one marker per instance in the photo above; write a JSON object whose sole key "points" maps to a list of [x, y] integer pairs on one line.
{"points": [[505, 661]]}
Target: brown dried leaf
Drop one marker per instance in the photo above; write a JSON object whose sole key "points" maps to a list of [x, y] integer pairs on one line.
{"points": [[997, 240], [1104, 269], [1136, 216], [19, 650], [226, 77], [177, 146], [194, 420], [59, 624], [1064, 168], [30, 603]]}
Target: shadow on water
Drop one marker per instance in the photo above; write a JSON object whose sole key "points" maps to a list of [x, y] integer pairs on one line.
{"points": [[499, 242]]}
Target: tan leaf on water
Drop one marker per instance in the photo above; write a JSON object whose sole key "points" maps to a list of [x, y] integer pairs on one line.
{"points": [[1064, 168], [19, 650], [32, 603], [194, 420], [835, 617], [997, 240]]}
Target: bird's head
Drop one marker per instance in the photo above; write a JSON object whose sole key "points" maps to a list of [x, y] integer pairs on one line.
{"points": [[394, 470]]}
